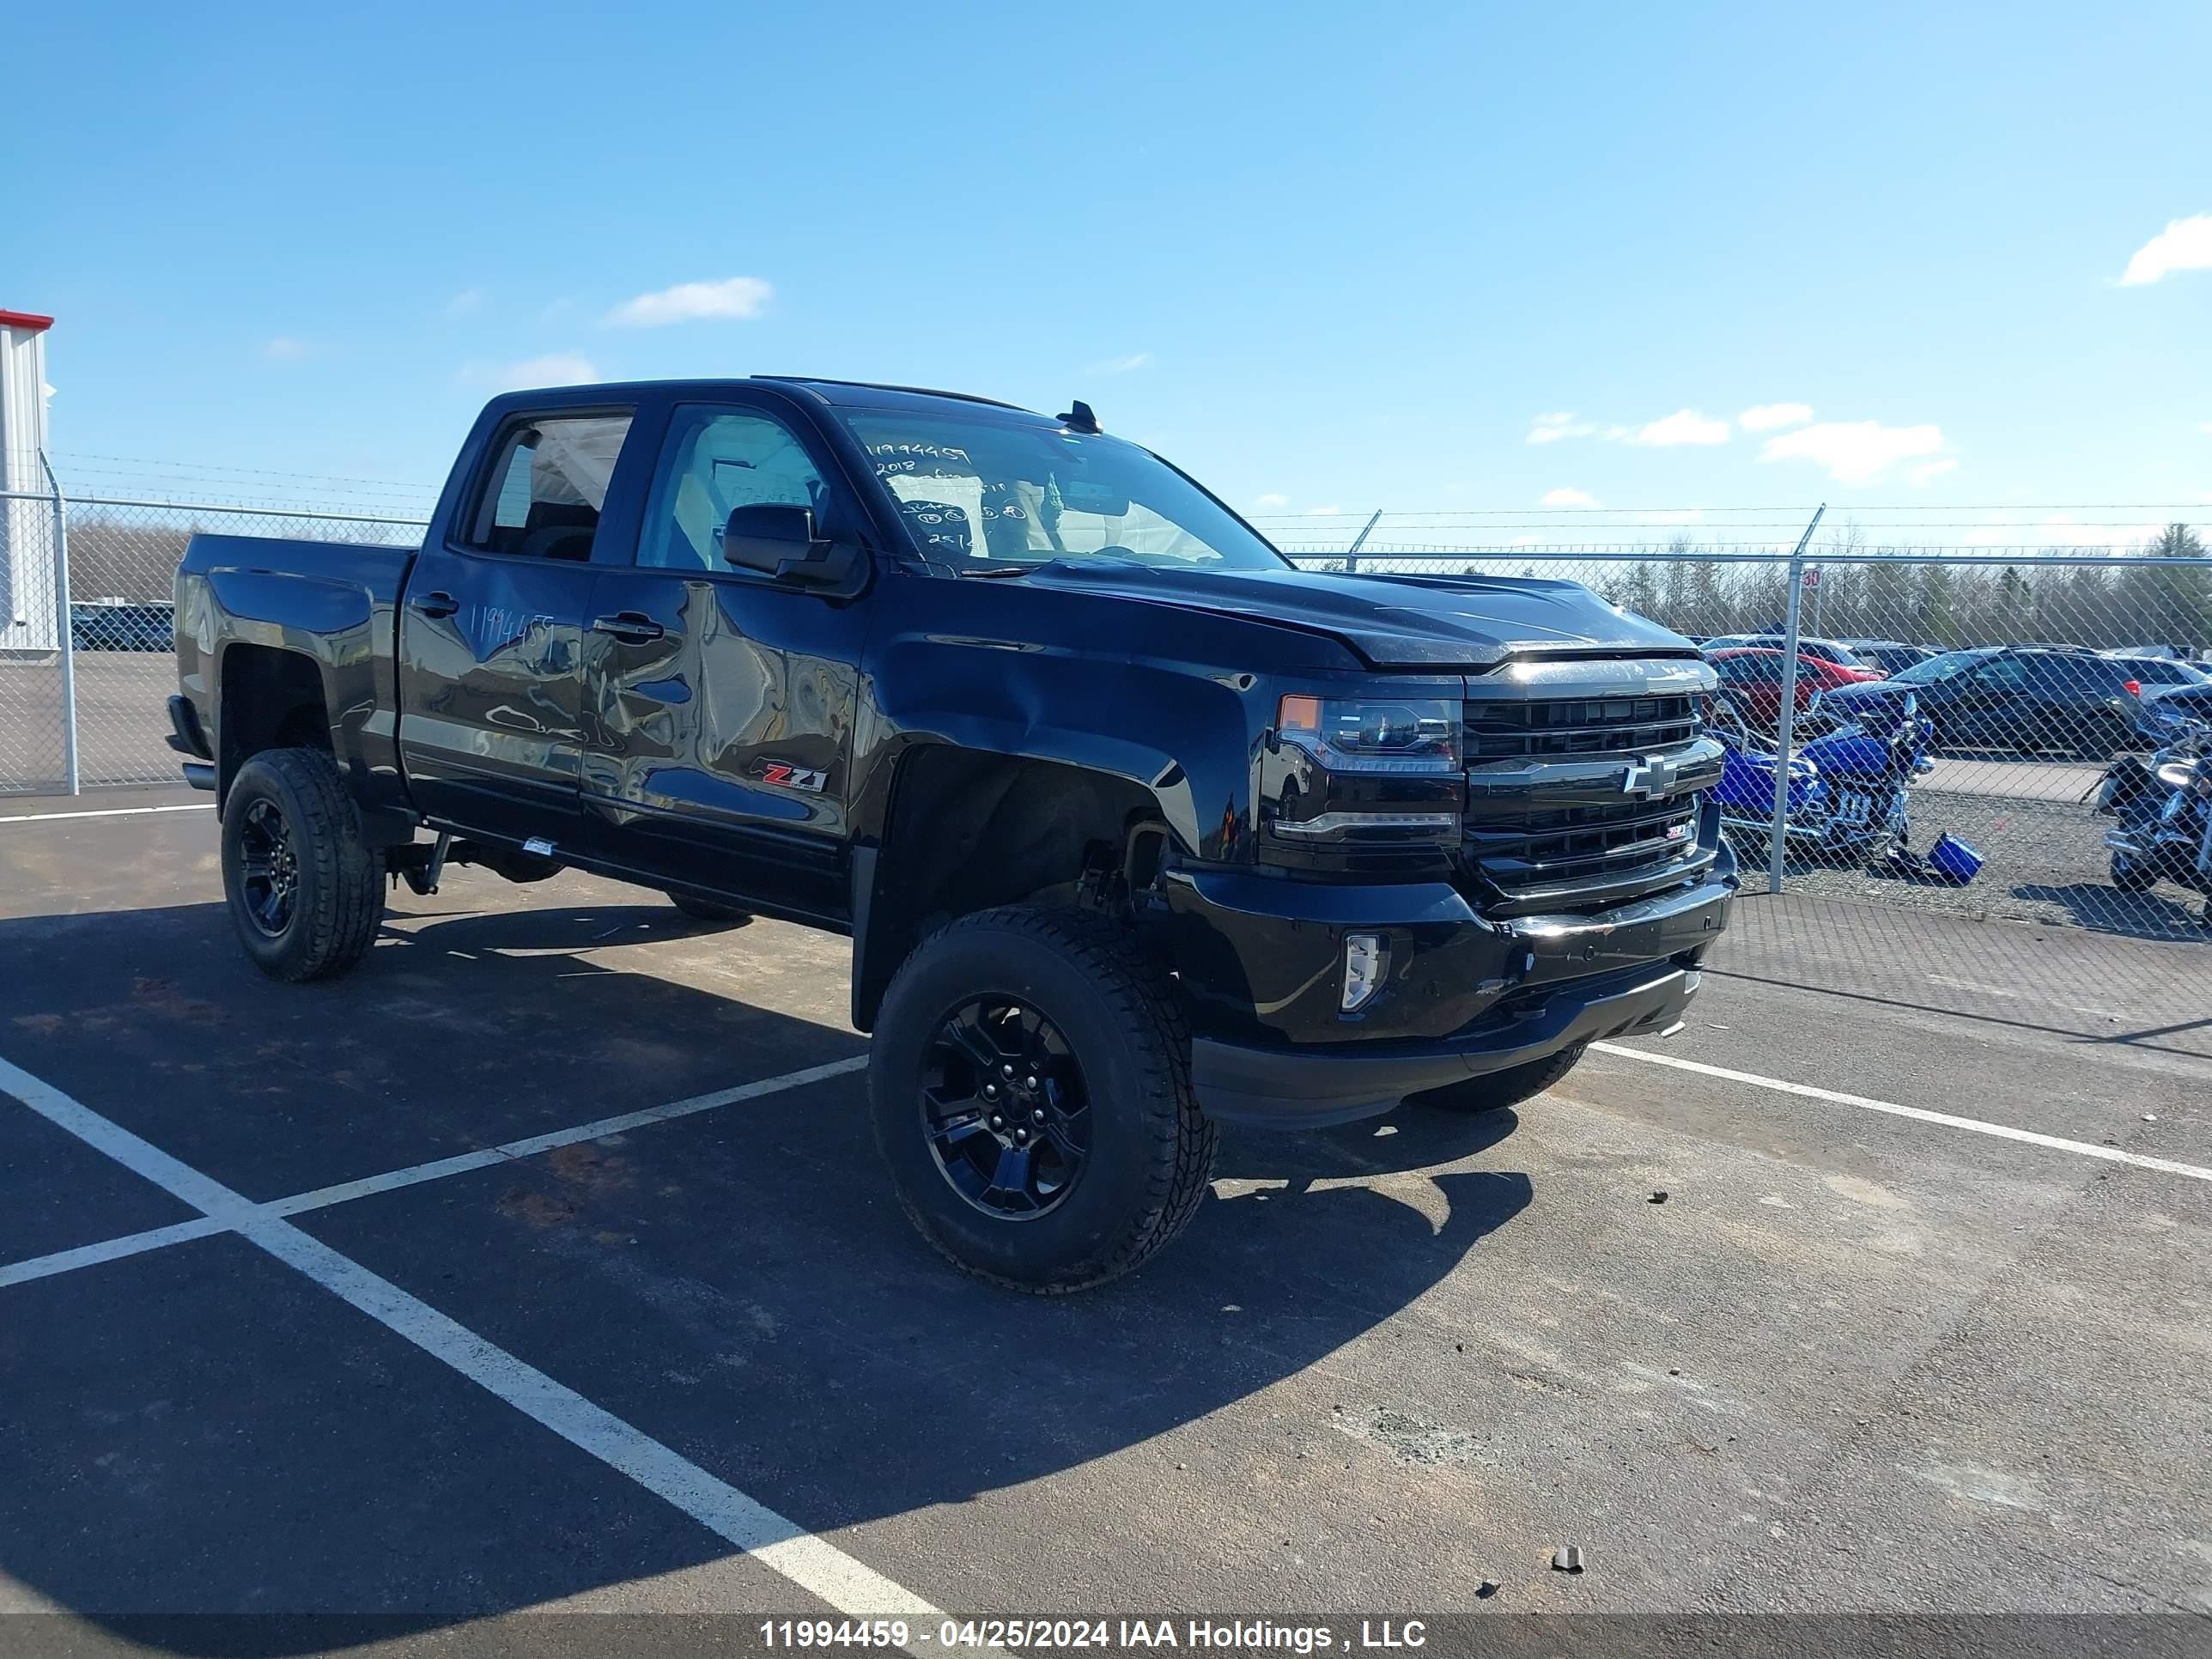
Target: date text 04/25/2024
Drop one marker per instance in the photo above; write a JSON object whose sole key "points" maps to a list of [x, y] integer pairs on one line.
{"points": [[1098, 1634]]}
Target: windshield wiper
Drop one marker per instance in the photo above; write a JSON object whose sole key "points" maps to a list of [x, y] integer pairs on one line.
{"points": [[1005, 570]]}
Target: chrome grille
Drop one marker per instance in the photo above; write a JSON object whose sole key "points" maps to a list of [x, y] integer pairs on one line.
{"points": [[1562, 727], [1576, 844], [1535, 851]]}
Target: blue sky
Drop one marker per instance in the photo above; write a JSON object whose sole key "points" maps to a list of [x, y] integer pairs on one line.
{"points": [[1321, 255]]}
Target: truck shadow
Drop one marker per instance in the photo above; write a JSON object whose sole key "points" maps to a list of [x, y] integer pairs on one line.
{"points": [[738, 1284]]}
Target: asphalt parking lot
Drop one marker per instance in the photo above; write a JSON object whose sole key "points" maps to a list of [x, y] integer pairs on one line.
{"points": [[547, 1260]]}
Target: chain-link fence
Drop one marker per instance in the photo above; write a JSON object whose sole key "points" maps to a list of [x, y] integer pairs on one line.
{"points": [[2035, 668], [1978, 694], [88, 659]]}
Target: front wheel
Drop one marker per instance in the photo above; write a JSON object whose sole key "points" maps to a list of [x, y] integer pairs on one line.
{"points": [[304, 888], [1495, 1090], [1031, 1089]]}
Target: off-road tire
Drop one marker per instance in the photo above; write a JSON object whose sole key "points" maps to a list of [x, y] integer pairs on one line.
{"points": [[339, 899], [1496, 1090], [1152, 1150], [706, 910]]}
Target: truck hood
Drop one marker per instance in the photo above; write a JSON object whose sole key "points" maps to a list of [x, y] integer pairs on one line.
{"points": [[1393, 622]]}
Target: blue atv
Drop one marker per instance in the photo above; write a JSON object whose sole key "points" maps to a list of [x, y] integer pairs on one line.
{"points": [[1848, 785]]}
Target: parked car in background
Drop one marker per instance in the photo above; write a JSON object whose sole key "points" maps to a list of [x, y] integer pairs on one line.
{"points": [[1835, 651], [2150, 672], [123, 625], [2025, 698], [1751, 677], [2163, 703], [1889, 655]]}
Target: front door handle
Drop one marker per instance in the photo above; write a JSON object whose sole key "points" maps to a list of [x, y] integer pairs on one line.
{"points": [[631, 627], [434, 603]]}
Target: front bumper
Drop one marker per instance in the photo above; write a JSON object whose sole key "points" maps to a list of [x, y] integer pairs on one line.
{"points": [[1314, 1087], [1259, 961]]}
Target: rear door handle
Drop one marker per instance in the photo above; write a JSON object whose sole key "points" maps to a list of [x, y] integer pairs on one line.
{"points": [[634, 628], [433, 604]]}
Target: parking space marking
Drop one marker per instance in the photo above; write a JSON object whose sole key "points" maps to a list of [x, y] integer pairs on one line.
{"points": [[1917, 1114], [779, 1543], [109, 1249], [16, 1080], [108, 812], [532, 1145]]}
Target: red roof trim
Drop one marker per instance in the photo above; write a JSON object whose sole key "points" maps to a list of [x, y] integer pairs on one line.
{"points": [[29, 319]]}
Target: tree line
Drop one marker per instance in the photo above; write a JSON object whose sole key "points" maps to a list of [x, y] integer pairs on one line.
{"points": [[1871, 594]]}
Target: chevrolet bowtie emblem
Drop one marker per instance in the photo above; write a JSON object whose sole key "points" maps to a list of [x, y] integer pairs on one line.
{"points": [[1654, 775]]}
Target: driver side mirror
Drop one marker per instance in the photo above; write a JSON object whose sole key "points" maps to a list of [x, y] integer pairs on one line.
{"points": [[781, 542]]}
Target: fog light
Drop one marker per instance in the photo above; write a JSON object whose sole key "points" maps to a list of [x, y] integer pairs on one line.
{"points": [[1365, 956]]}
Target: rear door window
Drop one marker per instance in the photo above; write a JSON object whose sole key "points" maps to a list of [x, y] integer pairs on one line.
{"points": [[547, 485]]}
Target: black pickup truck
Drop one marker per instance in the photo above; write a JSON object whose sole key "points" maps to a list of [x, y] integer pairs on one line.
{"points": [[1134, 826]]}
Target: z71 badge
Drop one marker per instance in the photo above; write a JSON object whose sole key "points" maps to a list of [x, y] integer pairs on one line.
{"points": [[789, 776]]}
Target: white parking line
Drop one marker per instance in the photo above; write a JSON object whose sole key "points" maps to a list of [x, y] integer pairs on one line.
{"points": [[782, 1545], [109, 1249], [109, 813], [155, 1238], [1917, 1114]]}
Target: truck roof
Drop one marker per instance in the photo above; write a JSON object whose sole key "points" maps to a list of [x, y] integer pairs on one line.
{"points": [[848, 394]]}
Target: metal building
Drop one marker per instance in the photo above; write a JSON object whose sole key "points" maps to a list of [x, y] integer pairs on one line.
{"points": [[30, 610]]}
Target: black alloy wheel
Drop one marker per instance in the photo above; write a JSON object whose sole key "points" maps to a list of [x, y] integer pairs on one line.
{"points": [[1003, 1108], [269, 869]]}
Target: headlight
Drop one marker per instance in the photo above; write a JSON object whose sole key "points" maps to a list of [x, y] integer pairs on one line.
{"points": [[1379, 735], [1364, 775]]}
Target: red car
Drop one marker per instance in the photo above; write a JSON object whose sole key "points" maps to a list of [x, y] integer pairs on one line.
{"points": [[1751, 678]]}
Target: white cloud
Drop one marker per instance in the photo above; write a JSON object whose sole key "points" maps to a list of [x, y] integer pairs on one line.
{"points": [[1565, 497], [733, 298], [1766, 417], [1322, 512], [1854, 452], [2183, 245], [1929, 470], [1684, 426], [1271, 498], [1121, 365], [466, 303], [285, 349], [1550, 429], [554, 368]]}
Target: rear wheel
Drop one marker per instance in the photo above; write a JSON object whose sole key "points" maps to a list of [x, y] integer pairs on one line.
{"points": [[706, 910], [1495, 1090], [1030, 1087], [305, 890]]}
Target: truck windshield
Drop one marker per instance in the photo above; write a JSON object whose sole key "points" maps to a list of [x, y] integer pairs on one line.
{"points": [[986, 496]]}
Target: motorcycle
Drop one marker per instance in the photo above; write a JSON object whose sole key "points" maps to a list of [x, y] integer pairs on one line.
{"points": [[2164, 806], [1849, 784]]}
